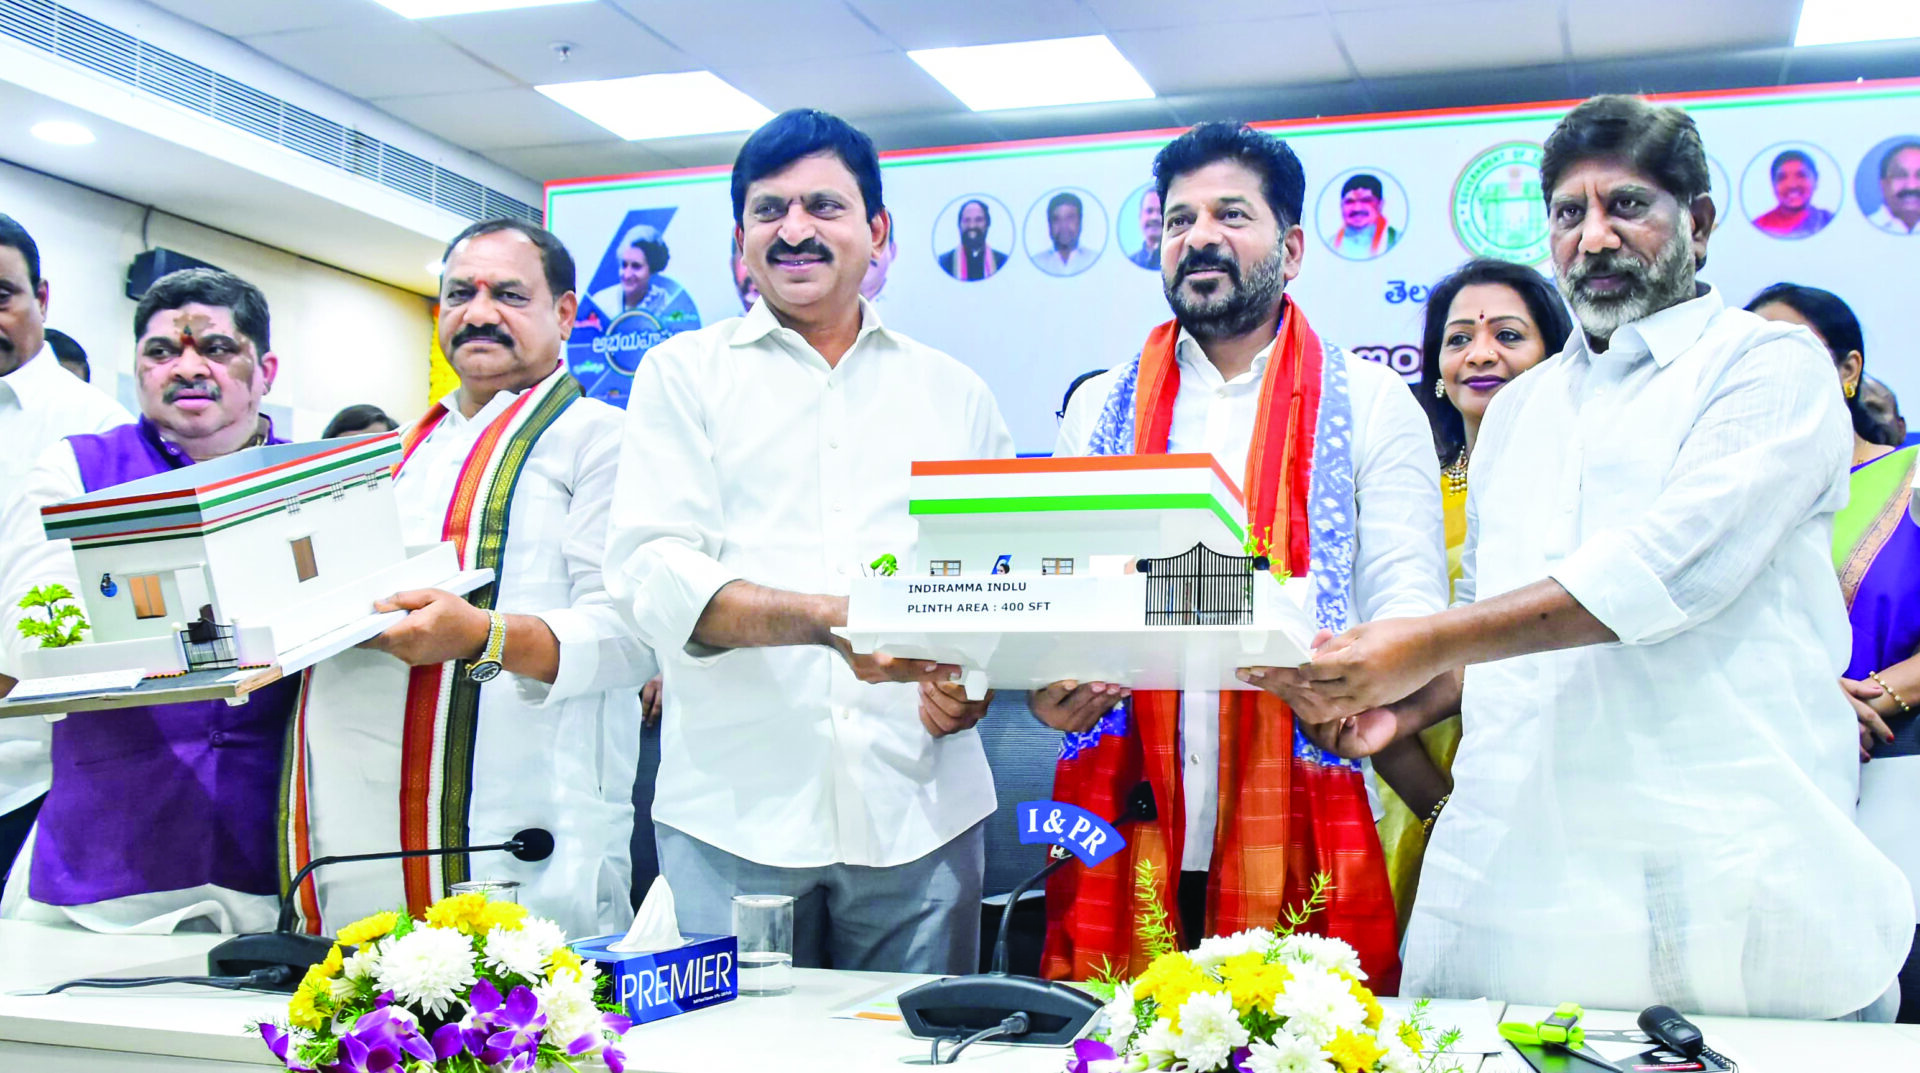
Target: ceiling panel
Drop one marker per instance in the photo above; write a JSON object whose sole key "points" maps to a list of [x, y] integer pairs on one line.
{"points": [[880, 83], [1441, 37], [1152, 14], [575, 161], [1189, 59], [495, 118], [797, 32], [397, 61], [915, 24], [604, 43], [238, 18], [1609, 29]]}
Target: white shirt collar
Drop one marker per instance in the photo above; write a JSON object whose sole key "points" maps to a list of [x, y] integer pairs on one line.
{"points": [[760, 323], [1187, 351], [1663, 335], [29, 385]]}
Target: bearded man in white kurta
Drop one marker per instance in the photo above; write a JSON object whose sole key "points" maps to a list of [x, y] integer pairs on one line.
{"points": [[518, 705]]}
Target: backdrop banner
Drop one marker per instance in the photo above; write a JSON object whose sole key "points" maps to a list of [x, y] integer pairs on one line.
{"points": [[1029, 261]]}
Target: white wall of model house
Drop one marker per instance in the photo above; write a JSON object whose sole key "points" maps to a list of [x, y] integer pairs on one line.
{"points": [[1092, 540]]}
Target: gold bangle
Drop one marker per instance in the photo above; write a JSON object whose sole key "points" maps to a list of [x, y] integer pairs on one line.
{"points": [[1426, 826], [1903, 705]]}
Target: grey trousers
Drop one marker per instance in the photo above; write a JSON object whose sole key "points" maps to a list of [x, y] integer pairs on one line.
{"points": [[922, 916]]}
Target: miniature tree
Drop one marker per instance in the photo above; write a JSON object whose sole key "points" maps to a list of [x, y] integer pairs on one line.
{"points": [[64, 622], [885, 566]]}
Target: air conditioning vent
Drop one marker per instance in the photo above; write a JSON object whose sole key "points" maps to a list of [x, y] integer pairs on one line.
{"points": [[72, 36]]}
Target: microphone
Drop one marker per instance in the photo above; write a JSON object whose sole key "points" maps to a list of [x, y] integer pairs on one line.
{"points": [[982, 1002], [242, 955]]}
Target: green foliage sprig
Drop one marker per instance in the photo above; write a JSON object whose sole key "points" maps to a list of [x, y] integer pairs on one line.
{"points": [[64, 622]]}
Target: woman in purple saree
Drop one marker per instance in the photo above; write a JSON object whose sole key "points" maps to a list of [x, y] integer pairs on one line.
{"points": [[1876, 552]]}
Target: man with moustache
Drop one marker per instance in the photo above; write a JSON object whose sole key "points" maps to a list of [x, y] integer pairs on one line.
{"points": [[1795, 178], [1654, 802], [1899, 211], [1148, 256], [1364, 231], [972, 259], [518, 704], [162, 814], [39, 405], [765, 464], [1337, 462], [1065, 256]]}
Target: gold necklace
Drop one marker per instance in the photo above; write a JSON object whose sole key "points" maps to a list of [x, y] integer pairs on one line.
{"points": [[1455, 474]]}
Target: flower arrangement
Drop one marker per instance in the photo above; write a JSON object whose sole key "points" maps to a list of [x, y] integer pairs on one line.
{"points": [[1264, 1000], [478, 986]]}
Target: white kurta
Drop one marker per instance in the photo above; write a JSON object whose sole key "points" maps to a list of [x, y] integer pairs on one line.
{"points": [[559, 757], [1399, 563], [748, 456], [1670, 818]]}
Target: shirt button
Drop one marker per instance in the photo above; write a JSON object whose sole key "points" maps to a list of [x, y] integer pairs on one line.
{"points": [[836, 508], [846, 714], [1193, 760], [833, 443], [218, 737]]}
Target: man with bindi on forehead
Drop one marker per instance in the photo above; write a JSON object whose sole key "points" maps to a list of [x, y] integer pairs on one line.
{"points": [[163, 814]]}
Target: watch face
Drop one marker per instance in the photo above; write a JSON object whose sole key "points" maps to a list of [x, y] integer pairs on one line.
{"points": [[484, 671]]}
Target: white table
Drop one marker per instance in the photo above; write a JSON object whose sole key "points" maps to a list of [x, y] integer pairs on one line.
{"points": [[173, 1029]]}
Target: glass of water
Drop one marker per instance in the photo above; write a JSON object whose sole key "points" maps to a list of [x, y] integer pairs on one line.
{"points": [[498, 890], [764, 925]]}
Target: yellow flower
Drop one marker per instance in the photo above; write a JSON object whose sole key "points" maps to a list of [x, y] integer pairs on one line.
{"points": [[361, 932], [563, 960], [1170, 980], [1354, 1053], [502, 916], [461, 912], [1410, 1036], [302, 1012], [1253, 981], [1367, 1002]]}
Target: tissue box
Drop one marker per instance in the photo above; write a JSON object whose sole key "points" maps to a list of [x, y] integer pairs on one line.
{"points": [[704, 972]]}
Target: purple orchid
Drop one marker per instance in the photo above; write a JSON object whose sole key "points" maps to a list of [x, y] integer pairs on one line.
{"points": [[1238, 1059], [517, 1023], [283, 1045], [1090, 1056]]}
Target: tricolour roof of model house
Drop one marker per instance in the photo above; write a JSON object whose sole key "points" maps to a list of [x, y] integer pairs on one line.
{"points": [[220, 493], [1028, 486]]}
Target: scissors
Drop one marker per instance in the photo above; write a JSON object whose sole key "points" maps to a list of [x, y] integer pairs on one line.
{"points": [[1559, 1032]]}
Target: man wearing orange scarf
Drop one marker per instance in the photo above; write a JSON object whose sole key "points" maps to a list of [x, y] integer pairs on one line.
{"points": [[1339, 481]]}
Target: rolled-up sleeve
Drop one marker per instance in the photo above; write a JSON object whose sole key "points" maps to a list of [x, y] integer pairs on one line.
{"points": [[664, 535], [1767, 453], [599, 650]]}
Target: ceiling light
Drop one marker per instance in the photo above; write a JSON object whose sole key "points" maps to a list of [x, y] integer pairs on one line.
{"points": [[1837, 22], [61, 132], [661, 106], [428, 9], [1030, 74]]}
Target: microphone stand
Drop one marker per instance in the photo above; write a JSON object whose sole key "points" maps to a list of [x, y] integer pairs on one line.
{"points": [[992, 1003], [243, 955]]}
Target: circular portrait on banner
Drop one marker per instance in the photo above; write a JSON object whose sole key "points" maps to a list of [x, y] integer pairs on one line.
{"points": [[1066, 231], [1362, 213], [1137, 228], [630, 305], [972, 237], [1887, 185], [1720, 189], [1496, 204], [1792, 190]]}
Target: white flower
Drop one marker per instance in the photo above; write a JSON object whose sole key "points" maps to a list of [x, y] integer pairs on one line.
{"points": [[568, 1004], [1218, 948], [1288, 1054], [1157, 1044], [1398, 1059], [1121, 1021], [1329, 954], [1318, 1004], [523, 951], [1209, 1031], [430, 968]]}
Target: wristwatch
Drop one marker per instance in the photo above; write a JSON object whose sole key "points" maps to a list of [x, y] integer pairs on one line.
{"points": [[487, 667]]}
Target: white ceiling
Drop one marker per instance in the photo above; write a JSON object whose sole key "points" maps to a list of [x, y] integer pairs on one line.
{"points": [[468, 79]]}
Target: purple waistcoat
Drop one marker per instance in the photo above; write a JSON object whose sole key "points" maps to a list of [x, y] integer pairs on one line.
{"points": [[169, 796]]}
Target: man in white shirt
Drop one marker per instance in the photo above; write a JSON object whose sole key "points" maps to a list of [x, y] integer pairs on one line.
{"points": [[765, 465], [1899, 211], [40, 404], [1064, 255], [1239, 357], [1654, 799], [516, 706]]}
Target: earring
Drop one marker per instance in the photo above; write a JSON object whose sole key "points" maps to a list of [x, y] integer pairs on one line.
{"points": [[1439, 388], [1851, 390]]}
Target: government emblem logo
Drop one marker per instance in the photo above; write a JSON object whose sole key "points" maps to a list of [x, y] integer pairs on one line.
{"points": [[1497, 207]]}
